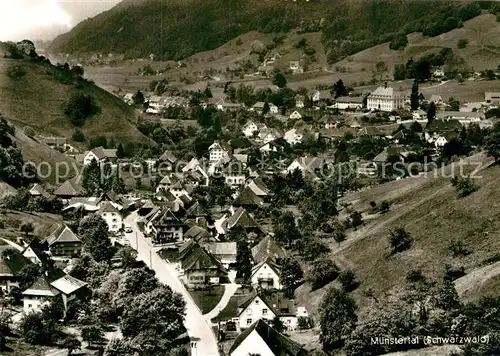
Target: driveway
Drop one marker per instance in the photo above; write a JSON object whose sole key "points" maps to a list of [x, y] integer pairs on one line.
{"points": [[204, 342]]}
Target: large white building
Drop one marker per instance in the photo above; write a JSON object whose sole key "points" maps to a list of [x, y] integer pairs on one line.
{"points": [[385, 99]]}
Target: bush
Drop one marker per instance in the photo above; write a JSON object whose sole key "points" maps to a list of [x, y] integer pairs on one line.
{"points": [[79, 108], [463, 186], [78, 136], [453, 272], [458, 248], [398, 42], [348, 280], [385, 206], [356, 219], [462, 43], [29, 131], [16, 72], [323, 272], [400, 239]]}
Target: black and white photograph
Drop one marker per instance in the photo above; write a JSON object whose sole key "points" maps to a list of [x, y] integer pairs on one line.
{"points": [[249, 178]]}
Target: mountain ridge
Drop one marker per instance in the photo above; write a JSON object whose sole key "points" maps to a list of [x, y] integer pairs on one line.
{"points": [[181, 29]]}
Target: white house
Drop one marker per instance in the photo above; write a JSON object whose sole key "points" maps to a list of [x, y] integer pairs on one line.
{"points": [[299, 101], [293, 137], [316, 96], [100, 155], [266, 275], [38, 294], [492, 97], [216, 152], [385, 99], [250, 129], [268, 134], [348, 102], [261, 339], [112, 216], [270, 147], [259, 107], [295, 67], [295, 115]]}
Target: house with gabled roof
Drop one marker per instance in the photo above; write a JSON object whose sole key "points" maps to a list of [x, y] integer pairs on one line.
{"points": [[271, 147], [392, 151], [250, 129], [198, 267], [217, 152], [197, 212], [371, 131], [34, 252], [261, 339], [198, 234], [224, 251], [68, 190], [266, 275], [241, 219], [268, 248], [10, 269], [64, 242], [269, 135], [100, 155], [70, 288], [166, 227], [309, 165], [112, 216], [38, 191], [259, 188], [248, 200], [295, 115], [38, 294], [435, 128], [168, 157]]}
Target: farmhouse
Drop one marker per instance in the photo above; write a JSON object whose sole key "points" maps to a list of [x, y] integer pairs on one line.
{"points": [[385, 99]]}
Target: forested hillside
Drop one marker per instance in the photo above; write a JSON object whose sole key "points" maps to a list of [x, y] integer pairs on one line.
{"points": [[173, 29]]}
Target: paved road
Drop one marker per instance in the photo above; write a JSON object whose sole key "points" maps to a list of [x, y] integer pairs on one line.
{"points": [[204, 342], [229, 290]]}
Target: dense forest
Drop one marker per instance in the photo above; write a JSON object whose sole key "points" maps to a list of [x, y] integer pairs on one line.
{"points": [[173, 29]]}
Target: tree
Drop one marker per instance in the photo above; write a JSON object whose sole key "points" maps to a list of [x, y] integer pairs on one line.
{"points": [[91, 178], [493, 142], [71, 343], [79, 108], [414, 95], [27, 228], [322, 272], [380, 69], [338, 234], [400, 239], [285, 229], [337, 317], [339, 89], [291, 275], [243, 256], [398, 42], [93, 231], [266, 108], [431, 112], [78, 136], [348, 281], [120, 152], [93, 334], [138, 98], [356, 219], [279, 79], [462, 43]]}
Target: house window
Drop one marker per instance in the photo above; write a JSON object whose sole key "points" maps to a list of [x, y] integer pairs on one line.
{"points": [[264, 311], [249, 321], [114, 220], [104, 214]]}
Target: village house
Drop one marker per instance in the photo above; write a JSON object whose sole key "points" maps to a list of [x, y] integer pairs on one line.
{"points": [[293, 136], [299, 101], [261, 339], [47, 287], [271, 146], [392, 152], [100, 155], [295, 67], [295, 115], [167, 161], [216, 152], [225, 252], [52, 141], [385, 99], [69, 190], [266, 275], [165, 227], [34, 252], [156, 105], [197, 213], [248, 200], [38, 191], [348, 103], [259, 188], [437, 128], [492, 97], [64, 242], [309, 165], [250, 129], [268, 135], [464, 118], [198, 267], [241, 219], [112, 216]]}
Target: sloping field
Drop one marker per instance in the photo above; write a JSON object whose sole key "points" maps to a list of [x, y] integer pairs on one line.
{"points": [[431, 211]]}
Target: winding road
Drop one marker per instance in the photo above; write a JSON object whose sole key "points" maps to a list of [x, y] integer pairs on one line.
{"points": [[203, 340]]}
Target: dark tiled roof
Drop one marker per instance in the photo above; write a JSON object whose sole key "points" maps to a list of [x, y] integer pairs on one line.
{"points": [[63, 234], [68, 188], [443, 126], [247, 197], [267, 247], [197, 210], [241, 219]]}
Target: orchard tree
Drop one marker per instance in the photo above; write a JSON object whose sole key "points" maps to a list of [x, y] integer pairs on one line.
{"points": [[27, 228], [400, 239], [339, 89], [338, 317], [243, 256], [95, 237], [279, 79], [71, 343], [285, 229], [493, 142], [414, 95], [291, 275], [138, 98]]}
